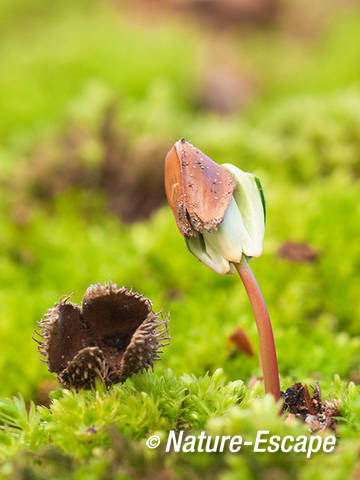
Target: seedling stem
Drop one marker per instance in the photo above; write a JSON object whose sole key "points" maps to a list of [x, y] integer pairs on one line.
{"points": [[267, 349]]}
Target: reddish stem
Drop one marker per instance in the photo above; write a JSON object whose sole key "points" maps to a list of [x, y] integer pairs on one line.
{"points": [[263, 324]]}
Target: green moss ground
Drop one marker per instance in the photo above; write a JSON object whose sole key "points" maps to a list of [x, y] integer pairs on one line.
{"points": [[59, 66]]}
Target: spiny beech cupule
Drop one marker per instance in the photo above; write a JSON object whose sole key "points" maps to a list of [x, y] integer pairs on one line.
{"points": [[113, 334], [220, 211]]}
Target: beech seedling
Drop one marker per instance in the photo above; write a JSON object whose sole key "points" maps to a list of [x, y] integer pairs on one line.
{"points": [[220, 211]]}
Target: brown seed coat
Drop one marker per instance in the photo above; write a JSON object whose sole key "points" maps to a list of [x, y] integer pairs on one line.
{"points": [[198, 190]]}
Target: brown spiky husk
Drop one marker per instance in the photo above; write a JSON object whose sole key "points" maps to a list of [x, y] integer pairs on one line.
{"points": [[112, 335]]}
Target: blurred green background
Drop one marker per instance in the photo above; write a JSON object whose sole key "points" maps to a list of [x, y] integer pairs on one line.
{"points": [[93, 94]]}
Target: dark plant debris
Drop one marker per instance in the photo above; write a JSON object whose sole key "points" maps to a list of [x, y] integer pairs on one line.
{"points": [[112, 335], [226, 90], [130, 176], [319, 415], [297, 252], [220, 13]]}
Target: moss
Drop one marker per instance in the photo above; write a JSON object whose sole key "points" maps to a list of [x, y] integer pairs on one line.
{"points": [[305, 148]]}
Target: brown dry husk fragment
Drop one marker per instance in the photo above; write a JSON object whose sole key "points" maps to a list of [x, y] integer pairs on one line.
{"points": [[112, 335], [312, 410], [241, 341]]}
